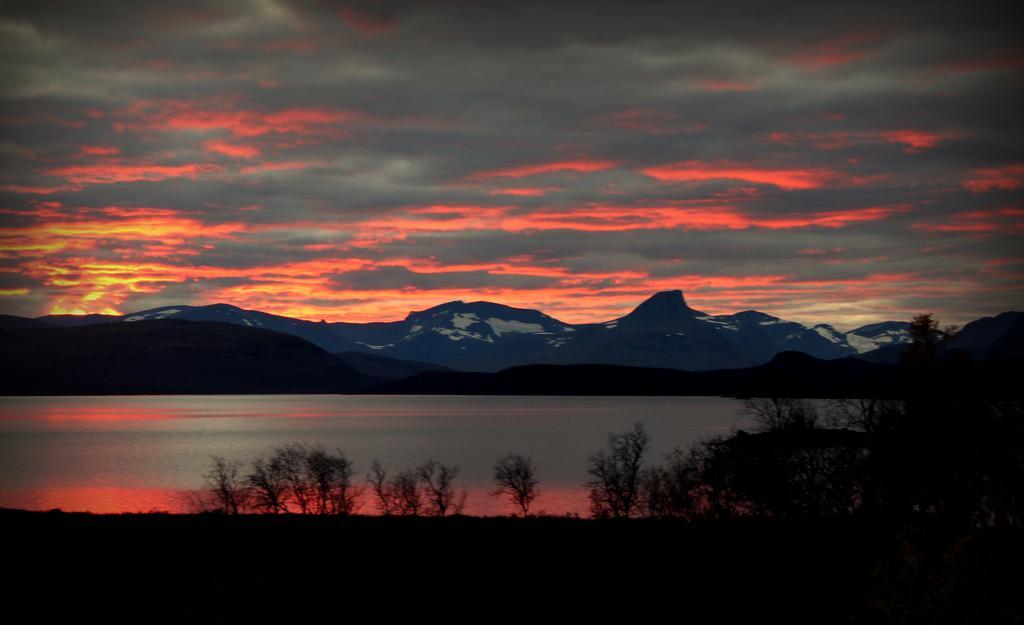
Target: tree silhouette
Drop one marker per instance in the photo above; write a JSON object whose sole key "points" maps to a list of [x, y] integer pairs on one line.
{"points": [[378, 479], [780, 413], [437, 481], [925, 339], [329, 478], [268, 486], [515, 476], [666, 490], [615, 474], [291, 461], [225, 485], [399, 495]]}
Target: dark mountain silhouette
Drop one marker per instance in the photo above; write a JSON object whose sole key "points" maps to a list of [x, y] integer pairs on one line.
{"points": [[789, 373], [998, 337], [168, 356], [662, 331], [386, 368], [70, 321], [1002, 335], [13, 323]]}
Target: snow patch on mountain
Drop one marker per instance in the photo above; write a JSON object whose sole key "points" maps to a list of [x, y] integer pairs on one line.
{"points": [[721, 323], [156, 314], [505, 326], [464, 320], [868, 343], [376, 347], [860, 343], [458, 335], [828, 334]]}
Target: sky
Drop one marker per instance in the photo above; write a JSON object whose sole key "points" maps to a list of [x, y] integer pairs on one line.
{"points": [[352, 161]]}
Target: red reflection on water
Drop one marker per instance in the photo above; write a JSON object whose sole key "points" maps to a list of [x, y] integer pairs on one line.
{"points": [[97, 499], [557, 501]]}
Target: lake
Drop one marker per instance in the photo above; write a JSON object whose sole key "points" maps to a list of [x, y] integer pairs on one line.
{"points": [[143, 453]]}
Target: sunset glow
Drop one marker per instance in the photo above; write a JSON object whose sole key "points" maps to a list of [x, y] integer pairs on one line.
{"points": [[354, 162]]}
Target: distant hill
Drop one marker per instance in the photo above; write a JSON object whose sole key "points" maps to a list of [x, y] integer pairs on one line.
{"points": [[791, 374], [12, 323], [386, 368], [168, 356], [70, 321]]}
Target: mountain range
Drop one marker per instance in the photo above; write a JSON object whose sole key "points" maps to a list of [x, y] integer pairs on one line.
{"points": [[663, 331], [663, 347]]}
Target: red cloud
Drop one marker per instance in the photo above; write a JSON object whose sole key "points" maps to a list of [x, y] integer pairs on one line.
{"points": [[1004, 178], [1005, 221], [367, 22], [650, 121], [233, 150], [841, 50], [99, 150], [213, 115]]}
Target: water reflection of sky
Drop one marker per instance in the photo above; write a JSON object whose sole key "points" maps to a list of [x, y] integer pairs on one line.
{"points": [[139, 453]]}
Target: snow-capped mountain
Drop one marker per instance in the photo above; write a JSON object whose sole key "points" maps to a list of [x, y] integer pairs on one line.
{"points": [[871, 337], [662, 331]]}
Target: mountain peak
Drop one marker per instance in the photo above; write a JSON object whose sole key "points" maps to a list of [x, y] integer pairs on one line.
{"points": [[665, 308]]}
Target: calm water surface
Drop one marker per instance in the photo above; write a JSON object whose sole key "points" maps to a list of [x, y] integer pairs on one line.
{"points": [[141, 453]]}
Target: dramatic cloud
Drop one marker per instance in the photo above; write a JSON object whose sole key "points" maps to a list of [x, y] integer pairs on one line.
{"points": [[355, 160]]}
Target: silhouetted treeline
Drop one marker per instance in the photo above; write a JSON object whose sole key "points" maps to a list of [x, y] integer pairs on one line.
{"points": [[941, 455], [308, 479]]}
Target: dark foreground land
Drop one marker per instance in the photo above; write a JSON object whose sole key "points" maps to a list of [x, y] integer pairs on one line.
{"points": [[215, 568]]}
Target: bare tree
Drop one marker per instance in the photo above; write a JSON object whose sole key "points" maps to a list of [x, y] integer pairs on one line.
{"points": [[399, 495], [671, 490], [291, 461], [225, 485], [615, 474], [515, 476], [867, 415], [437, 480], [267, 486], [382, 492], [405, 489], [780, 413], [328, 480]]}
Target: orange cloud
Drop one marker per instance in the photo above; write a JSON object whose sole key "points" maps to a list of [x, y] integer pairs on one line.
{"points": [[698, 171], [117, 171], [719, 85], [524, 191], [62, 232], [580, 166], [615, 218]]}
